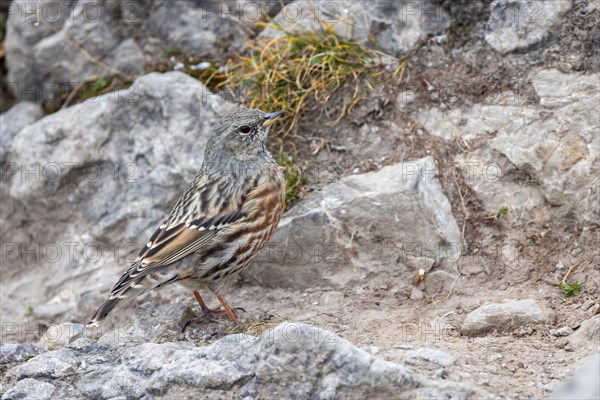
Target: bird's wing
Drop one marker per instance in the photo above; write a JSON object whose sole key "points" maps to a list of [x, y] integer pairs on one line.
{"points": [[208, 206]]}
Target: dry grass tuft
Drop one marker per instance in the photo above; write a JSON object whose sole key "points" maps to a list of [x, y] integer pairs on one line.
{"points": [[300, 71]]}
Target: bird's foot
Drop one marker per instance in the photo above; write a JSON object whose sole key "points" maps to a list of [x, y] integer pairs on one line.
{"points": [[210, 313]]}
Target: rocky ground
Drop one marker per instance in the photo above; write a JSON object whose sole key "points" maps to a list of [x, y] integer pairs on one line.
{"points": [[424, 261]]}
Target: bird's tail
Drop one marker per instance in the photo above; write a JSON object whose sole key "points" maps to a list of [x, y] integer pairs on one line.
{"points": [[105, 310], [131, 285]]}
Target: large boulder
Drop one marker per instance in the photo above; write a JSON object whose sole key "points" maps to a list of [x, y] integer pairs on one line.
{"points": [[335, 236], [52, 46], [200, 26]]}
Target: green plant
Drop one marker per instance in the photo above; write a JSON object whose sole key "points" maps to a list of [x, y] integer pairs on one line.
{"points": [[295, 178], [100, 84], [570, 289], [502, 212], [2, 391], [29, 312]]}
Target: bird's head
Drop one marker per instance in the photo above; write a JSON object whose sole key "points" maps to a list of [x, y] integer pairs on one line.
{"points": [[240, 135]]}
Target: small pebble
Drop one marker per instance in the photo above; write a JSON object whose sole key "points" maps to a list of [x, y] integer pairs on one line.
{"points": [[441, 373], [202, 65], [564, 331], [440, 38], [416, 294]]}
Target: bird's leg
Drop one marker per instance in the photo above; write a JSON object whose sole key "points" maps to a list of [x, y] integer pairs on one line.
{"points": [[228, 309], [201, 302], [209, 312]]}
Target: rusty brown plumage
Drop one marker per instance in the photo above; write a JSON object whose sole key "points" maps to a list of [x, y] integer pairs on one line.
{"points": [[220, 223]]}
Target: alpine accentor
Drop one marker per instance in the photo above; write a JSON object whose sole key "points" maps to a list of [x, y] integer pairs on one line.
{"points": [[219, 223]]}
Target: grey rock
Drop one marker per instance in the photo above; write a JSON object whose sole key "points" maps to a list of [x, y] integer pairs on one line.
{"points": [[30, 388], [26, 27], [51, 309], [503, 317], [519, 26], [64, 61], [138, 147], [564, 331], [537, 154], [420, 262], [561, 151], [416, 294], [289, 361], [441, 281], [52, 46], [293, 357], [12, 121], [17, 352], [152, 323], [587, 304], [438, 357], [587, 335], [77, 40], [584, 385], [50, 365], [200, 27], [393, 26], [315, 238]]}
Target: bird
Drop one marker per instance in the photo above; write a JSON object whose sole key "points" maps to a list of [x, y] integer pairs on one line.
{"points": [[219, 224]]}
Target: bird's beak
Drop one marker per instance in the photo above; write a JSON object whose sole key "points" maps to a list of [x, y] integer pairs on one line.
{"points": [[269, 117]]}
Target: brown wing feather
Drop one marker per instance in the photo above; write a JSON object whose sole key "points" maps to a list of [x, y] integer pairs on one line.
{"points": [[187, 229]]}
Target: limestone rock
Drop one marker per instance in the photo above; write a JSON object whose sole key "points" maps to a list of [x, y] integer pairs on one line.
{"points": [[537, 154], [12, 121], [290, 361], [518, 26], [17, 352], [30, 388], [413, 220], [394, 27], [584, 384], [503, 317]]}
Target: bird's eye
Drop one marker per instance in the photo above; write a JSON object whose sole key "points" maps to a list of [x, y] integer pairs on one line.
{"points": [[244, 129]]}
